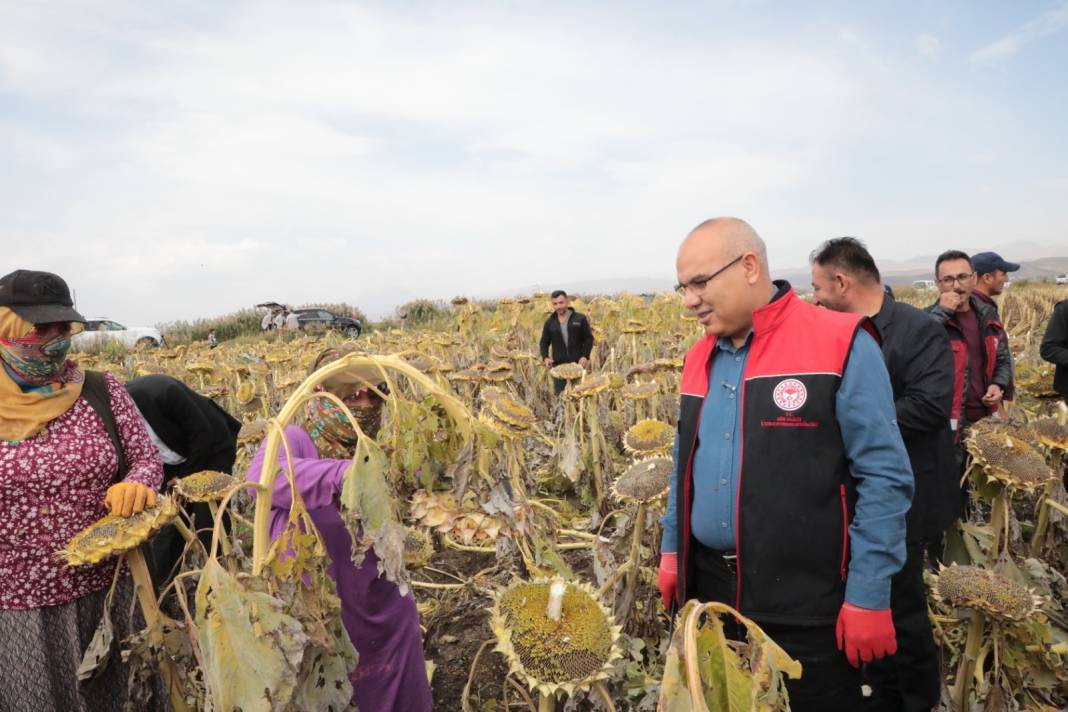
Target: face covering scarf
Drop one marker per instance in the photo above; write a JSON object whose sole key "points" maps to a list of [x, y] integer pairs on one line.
{"points": [[37, 361], [330, 429], [24, 413]]}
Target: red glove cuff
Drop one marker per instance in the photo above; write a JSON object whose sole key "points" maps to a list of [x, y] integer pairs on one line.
{"points": [[669, 562]]}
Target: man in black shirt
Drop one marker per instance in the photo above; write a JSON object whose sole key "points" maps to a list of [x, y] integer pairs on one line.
{"points": [[568, 333], [920, 362], [1055, 347]]}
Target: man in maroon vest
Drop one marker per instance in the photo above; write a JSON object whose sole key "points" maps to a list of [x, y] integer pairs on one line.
{"points": [[792, 481]]}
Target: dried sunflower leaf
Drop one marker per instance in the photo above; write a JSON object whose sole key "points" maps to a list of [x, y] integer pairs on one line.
{"points": [[99, 651], [242, 631]]}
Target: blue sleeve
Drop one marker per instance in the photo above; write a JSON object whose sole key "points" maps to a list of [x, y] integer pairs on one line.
{"points": [[669, 542], [879, 463]]}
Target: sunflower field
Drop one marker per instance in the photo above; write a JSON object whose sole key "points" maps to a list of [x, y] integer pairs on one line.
{"points": [[527, 527]]}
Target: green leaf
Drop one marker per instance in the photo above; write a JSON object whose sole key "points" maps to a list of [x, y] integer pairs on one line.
{"points": [[367, 504], [251, 648]]}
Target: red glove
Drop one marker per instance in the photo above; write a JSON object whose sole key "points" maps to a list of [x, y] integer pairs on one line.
{"points": [[864, 634], [667, 580]]}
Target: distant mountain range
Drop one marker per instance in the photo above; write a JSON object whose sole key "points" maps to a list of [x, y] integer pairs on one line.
{"points": [[1044, 268], [1037, 261], [895, 273]]}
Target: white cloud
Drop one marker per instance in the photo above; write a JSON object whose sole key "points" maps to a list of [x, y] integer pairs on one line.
{"points": [[189, 164], [928, 45], [1048, 23]]}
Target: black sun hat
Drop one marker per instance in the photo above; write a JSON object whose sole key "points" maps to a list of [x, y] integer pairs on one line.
{"points": [[38, 297]]}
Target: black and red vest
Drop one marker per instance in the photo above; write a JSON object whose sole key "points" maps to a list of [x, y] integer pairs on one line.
{"points": [[795, 493]]}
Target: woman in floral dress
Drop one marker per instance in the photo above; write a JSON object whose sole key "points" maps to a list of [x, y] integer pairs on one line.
{"points": [[57, 476]]}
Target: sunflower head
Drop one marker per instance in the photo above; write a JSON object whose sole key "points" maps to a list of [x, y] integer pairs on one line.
{"points": [[645, 480], [648, 438], [1051, 433], [590, 387], [205, 486], [642, 390], [510, 411], [418, 548], [571, 651], [984, 590], [568, 371], [114, 535], [1007, 459]]}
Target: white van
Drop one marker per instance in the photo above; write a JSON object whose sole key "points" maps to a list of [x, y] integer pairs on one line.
{"points": [[924, 284]]}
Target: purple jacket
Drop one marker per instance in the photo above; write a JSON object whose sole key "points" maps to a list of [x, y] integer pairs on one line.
{"points": [[383, 625]]}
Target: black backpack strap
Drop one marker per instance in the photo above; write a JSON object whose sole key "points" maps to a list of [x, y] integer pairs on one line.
{"points": [[95, 393]]}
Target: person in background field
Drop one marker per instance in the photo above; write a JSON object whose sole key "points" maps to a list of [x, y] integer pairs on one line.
{"points": [[1054, 347], [60, 471], [920, 363], [213, 340], [383, 625], [192, 433], [792, 482], [292, 322], [569, 335]]}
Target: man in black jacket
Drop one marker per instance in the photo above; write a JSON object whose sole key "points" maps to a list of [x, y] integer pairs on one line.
{"points": [[192, 433], [569, 334], [982, 359], [1055, 347], [920, 362]]}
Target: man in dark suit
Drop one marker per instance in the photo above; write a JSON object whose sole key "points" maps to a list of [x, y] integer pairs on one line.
{"points": [[192, 433], [920, 362], [568, 333], [1055, 347]]}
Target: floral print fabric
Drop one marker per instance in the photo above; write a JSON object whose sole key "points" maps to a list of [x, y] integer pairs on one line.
{"points": [[52, 486]]}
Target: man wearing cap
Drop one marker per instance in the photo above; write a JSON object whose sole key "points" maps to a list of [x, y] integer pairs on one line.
{"points": [[991, 276]]}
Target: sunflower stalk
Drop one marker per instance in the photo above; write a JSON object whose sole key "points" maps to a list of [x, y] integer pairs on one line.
{"points": [[634, 557], [962, 686], [146, 597], [1038, 537]]}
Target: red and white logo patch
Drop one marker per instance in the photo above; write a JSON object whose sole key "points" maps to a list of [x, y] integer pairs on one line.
{"points": [[790, 394]]}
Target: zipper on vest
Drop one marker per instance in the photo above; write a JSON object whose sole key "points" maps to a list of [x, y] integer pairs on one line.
{"points": [[845, 532], [738, 500]]}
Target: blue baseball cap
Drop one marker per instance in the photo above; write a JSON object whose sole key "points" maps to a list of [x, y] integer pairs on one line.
{"points": [[987, 262]]}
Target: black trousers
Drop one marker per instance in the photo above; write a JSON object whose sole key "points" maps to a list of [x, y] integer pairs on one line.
{"points": [[828, 682], [909, 681], [559, 385]]}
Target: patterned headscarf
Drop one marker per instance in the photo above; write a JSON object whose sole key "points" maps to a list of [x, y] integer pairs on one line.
{"points": [[328, 425], [53, 387], [334, 435]]}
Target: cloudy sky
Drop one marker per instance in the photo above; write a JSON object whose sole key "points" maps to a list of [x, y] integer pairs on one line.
{"points": [[175, 160]]}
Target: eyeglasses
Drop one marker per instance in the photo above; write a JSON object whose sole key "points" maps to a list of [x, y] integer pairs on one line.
{"points": [[698, 284], [963, 277]]}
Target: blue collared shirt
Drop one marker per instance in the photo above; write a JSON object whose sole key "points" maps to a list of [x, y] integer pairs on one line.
{"points": [[873, 446]]}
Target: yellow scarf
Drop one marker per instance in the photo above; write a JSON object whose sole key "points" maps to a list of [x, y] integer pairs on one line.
{"points": [[23, 415]]}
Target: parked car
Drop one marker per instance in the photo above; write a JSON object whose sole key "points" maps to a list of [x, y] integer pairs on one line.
{"points": [[1062, 279], [99, 330], [314, 318], [924, 284]]}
